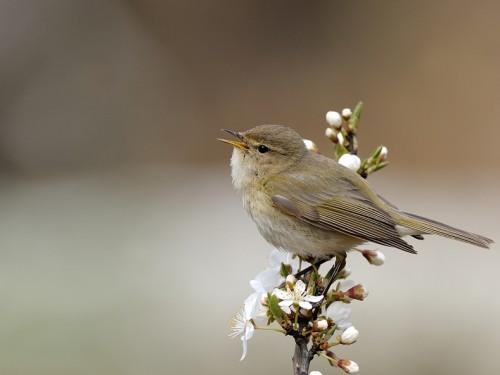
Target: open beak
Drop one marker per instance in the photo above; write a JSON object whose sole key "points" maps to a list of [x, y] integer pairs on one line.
{"points": [[241, 145]]}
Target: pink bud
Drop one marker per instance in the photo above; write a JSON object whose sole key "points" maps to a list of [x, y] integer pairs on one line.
{"points": [[348, 366], [357, 292], [374, 257]]}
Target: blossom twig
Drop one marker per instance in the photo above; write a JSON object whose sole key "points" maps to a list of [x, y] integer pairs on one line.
{"points": [[294, 294]]}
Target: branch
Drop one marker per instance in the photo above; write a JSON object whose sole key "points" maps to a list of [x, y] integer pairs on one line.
{"points": [[302, 357]]}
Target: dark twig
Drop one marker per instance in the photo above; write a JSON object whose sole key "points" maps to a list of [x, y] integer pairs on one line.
{"points": [[302, 356]]}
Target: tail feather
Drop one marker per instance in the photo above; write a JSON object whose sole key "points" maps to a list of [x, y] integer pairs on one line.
{"points": [[428, 226]]}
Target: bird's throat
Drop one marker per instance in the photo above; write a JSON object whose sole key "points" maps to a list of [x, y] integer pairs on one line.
{"points": [[240, 172]]}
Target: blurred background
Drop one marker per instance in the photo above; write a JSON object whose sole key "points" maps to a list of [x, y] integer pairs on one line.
{"points": [[125, 250]]}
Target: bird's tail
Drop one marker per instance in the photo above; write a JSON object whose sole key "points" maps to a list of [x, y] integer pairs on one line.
{"points": [[423, 225]]}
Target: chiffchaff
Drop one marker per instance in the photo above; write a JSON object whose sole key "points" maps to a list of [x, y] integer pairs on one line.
{"points": [[310, 205]]}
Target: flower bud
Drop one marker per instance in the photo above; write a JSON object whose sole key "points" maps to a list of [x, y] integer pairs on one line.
{"points": [[315, 373], [346, 113], [348, 366], [349, 336], [310, 145], [320, 325], [375, 257], [350, 161], [357, 292], [334, 119], [382, 156], [332, 358], [340, 138], [291, 280], [331, 133]]}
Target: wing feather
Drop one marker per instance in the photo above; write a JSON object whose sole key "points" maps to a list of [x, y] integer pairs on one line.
{"points": [[352, 214]]}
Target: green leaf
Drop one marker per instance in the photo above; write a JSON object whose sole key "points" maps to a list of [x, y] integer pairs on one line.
{"points": [[284, 271], [356, 115], [381, 165], [327, 335], [377, 152], [339, 151], [274, 307]]}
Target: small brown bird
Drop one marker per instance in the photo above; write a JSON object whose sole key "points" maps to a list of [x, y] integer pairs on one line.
{"points": [[310, 205]]}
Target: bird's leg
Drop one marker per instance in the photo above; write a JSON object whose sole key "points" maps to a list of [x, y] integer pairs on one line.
{"points": [[337, 267], [315, 263]]}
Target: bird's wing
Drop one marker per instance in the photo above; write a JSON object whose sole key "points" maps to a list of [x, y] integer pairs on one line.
{"points": [[351, 213]]}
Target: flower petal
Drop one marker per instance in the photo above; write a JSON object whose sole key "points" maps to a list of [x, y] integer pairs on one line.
{"points": [[249, 329], [305, 305], [313, 299], [276, 258], [299, 287], [252, 305], [349, 336], [286, 309], [269, 278], [345, 285], [286, 302], [339, 312], [257, 286], [350, 161], [281, 294], [244, 342]]}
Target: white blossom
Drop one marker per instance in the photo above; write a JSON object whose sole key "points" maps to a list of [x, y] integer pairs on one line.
{"points": [[339, 312], [346, 113], [270, 278], [296, 297], [277, 257], [267, 280], [349, 336], [315, 373], [254, 301], [242, 324], [350, 161], [334, 119], [310, 145], [343, 285], [320, 325]]}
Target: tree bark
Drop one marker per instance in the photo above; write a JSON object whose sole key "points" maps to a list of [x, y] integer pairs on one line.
{"points": [[301, 357]]}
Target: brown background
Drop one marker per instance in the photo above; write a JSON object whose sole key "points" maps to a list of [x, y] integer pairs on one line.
{"points": [[124, 249]]}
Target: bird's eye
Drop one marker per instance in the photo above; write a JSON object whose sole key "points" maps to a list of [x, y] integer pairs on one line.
{"points": [[263, 149]]}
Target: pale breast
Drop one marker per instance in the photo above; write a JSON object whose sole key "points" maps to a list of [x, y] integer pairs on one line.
{"points": [[283, 231], [291, 234]]}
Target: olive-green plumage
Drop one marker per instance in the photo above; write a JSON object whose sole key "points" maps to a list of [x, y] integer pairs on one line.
{"points": [[308, 204]]}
